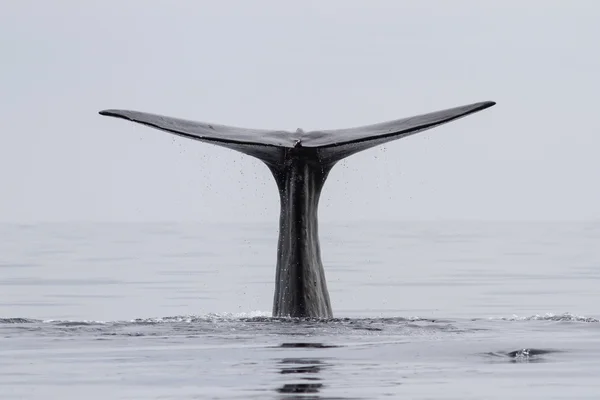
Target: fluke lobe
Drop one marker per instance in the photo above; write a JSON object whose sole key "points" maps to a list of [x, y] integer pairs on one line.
{"points": [[300, 162]]}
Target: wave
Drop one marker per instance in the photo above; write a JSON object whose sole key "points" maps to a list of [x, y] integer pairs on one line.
{"points": [[565, 317], [262, 316]]}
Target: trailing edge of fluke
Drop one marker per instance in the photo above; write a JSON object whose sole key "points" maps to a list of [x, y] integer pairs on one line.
{"points": [[300, 162]]}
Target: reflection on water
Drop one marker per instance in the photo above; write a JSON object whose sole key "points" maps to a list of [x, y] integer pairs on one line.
{"points": [[306, 369], [300, 388], [307, 345], [302, 366]]}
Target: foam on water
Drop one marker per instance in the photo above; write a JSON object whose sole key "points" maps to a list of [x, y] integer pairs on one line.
{"points": [[265, 316], [566, 317]]}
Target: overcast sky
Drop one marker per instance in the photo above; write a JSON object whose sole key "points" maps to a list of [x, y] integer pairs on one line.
{"points": [[310, 64]]}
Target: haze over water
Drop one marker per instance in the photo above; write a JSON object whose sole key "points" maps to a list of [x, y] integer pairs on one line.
{"points": [[423, 310]]}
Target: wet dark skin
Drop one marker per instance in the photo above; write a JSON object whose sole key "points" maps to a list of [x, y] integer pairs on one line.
{"points": [[300, 162]]}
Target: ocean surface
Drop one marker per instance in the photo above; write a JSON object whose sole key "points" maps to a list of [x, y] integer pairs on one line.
{"points": [[423, 310]]}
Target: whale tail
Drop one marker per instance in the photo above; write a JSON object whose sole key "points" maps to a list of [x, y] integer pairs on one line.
{"points": [[271, 146], [300, 162]]}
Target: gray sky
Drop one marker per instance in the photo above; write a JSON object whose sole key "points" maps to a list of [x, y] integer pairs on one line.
{"points": [[284, 65]]}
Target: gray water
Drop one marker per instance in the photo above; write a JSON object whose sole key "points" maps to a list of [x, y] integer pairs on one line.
{"points": [[423, 310]]}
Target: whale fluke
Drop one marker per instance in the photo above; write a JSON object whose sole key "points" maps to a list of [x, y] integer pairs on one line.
{"points": [[300, 162]]}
